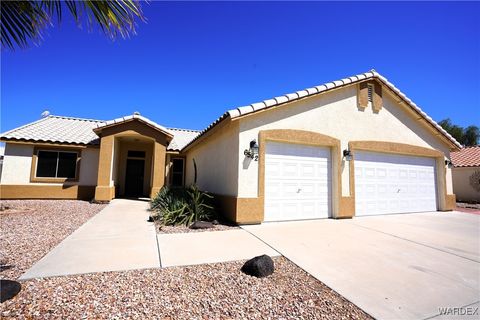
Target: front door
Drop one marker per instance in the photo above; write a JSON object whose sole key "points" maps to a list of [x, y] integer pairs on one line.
{"points": [[134, 177]]}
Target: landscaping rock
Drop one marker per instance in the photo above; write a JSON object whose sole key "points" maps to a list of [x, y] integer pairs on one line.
{"points": [[215, 222], [260, 267], [9, 289], [201, 225]]}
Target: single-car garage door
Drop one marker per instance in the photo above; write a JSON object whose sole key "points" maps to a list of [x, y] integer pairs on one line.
{"points": [[388, 183], [297, 182]]}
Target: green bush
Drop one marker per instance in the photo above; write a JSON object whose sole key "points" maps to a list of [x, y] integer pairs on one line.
{"points": [[174, 206]]}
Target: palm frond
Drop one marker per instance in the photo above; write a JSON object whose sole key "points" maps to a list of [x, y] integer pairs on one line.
{"points": [[24, 21]]}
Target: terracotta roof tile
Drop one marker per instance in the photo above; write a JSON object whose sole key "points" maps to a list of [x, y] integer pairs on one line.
{"points": [[467, 157]]}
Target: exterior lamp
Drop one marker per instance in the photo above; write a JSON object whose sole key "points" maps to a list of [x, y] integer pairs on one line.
{"points": [[448, 163], [347, 154], [252, 152]]}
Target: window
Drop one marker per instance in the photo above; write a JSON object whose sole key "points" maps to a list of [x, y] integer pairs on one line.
{"points": [[56, 164], [177, 172], [136, 154]]}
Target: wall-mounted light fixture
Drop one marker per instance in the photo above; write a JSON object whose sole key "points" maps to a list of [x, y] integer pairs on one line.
{"points": [[448, 163], [252, 152], [347, 154]]}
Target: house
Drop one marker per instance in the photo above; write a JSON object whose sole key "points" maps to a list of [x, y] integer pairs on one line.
{"points": [[352, 147], [466, 174]]}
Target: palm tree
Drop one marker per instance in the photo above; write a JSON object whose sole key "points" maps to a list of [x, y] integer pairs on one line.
{"points": [[22, 22]]}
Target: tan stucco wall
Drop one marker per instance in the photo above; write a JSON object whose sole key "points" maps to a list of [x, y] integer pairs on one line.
{"points": [[335, 114], [461, 184], [217, 161]]}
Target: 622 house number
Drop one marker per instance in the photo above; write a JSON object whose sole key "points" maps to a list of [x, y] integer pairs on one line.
{"points": [[251, 155]]}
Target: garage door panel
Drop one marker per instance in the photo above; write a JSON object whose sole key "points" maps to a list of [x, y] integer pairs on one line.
{"points": [[297, 182], [404, 183]]}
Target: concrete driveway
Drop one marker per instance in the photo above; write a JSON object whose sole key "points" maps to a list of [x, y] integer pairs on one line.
{"points": [[393, 267]]}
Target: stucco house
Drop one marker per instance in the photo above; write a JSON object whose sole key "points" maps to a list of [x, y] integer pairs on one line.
{"points": [[352, 147], [466, 174]]}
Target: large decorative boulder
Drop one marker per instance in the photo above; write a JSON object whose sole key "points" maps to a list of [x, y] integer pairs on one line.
{"points": [[201, 225], [261, 266], [9, 289]]}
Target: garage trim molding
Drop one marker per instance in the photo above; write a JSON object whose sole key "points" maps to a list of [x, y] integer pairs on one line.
{"points": [[256, 205], [445, 202]]}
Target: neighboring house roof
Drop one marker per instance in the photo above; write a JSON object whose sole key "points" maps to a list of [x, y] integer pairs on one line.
{"points": [[467, 157], [78, 131], [290, 97]]}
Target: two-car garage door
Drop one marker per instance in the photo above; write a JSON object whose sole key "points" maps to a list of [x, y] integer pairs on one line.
{"points": [[298, 183], [388, 183]]}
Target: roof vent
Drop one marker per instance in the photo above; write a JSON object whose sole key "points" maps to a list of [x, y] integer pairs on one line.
{"points": [[136, 113], [370, 92], [45, 114]]}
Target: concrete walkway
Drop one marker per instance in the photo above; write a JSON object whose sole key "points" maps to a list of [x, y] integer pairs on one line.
{"points": [[393, 267], [117, 238], [183, 249]]}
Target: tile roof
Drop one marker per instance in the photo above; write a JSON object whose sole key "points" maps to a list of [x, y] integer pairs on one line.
{"points": [[467, 157], [56, 129], [137, 116], [78, 131], [181, 137], [290, 97]]}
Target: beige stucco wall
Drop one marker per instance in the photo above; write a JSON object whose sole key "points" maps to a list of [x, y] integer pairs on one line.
{"points": [[89, 167], [335, 114], [17, 164], [217, 161], [461, 184]]}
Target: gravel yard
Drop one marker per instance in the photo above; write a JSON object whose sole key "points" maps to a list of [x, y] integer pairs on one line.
{"points": [[31, 228], [222, 226], [214, 291]]}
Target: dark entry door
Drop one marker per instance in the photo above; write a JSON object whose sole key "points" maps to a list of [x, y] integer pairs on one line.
{"points": [[134, 177]]}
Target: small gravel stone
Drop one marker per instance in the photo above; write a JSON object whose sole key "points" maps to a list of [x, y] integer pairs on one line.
{"points": [[214, 291], [220, 226]]}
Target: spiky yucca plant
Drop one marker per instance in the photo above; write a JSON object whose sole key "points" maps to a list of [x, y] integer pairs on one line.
{"points": [[176, 206]]}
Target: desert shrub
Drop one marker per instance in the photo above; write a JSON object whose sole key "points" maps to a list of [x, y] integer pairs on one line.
{"points": [[174, 206]]}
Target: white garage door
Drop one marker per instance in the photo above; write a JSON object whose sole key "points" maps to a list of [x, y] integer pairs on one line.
{"points": [[297, 182], [387, 183]]}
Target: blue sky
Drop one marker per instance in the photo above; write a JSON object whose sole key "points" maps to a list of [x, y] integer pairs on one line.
{"points": [[192, 61]]}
